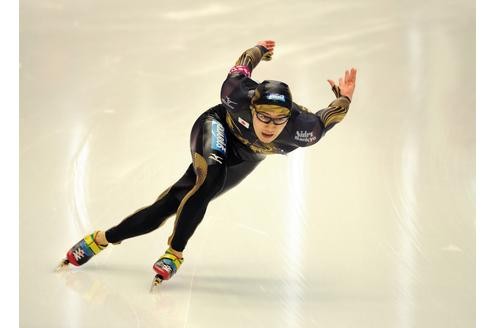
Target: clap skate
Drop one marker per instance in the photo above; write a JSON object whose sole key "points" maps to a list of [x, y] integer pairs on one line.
{"points": [[81, 252], [166, 266]]}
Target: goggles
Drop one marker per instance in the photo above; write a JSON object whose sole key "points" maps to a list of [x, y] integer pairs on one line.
{"points": [[267, 119], [262, 111]]}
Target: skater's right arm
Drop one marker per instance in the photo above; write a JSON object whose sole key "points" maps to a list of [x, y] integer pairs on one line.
{"points": [[263, 50]]}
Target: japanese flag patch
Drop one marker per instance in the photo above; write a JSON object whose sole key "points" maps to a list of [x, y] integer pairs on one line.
{"points": [[244, 123]]}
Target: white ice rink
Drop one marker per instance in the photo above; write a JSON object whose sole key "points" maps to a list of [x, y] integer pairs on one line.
{"points": [[374, 226]]}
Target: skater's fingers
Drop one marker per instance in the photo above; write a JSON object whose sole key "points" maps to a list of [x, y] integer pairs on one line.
{"points": [[332, 83], [269, 44], [353, 75]]}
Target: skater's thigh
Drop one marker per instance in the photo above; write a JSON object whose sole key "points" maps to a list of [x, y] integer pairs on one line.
{"points": [[237, 173], [179, 189], [209, 152]]}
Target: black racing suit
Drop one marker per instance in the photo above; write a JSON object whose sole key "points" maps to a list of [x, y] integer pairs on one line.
{"points": [[224, 151]]}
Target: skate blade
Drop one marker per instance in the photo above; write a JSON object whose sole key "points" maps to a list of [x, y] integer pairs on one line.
{"points": [[156, 281], [62, 266]]}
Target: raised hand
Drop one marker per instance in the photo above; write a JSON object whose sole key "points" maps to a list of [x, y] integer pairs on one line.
{"points": [[346, 84], [268, 44]]}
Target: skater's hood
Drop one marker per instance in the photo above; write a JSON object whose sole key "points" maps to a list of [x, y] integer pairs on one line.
{"points": [[275, 93]]}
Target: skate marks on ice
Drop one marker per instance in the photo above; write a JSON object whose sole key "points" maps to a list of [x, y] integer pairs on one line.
{"points": [[90, 294]]}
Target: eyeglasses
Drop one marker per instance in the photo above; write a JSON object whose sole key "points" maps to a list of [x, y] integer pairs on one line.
{"points": [[267, 119]]}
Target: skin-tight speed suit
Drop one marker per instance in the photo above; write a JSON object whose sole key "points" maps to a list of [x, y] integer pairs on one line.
{"points": [[224, 150]]}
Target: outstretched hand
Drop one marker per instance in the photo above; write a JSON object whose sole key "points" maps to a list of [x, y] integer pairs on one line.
{"points": [[269, 45], [347, 84]]}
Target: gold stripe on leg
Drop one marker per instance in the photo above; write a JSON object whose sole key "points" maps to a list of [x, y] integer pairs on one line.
{"points": [[201, 168]]}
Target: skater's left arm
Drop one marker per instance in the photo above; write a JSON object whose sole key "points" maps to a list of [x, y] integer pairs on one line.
{"points": [[336, 111], [309, 128]]}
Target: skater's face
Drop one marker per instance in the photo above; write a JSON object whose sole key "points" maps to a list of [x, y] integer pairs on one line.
{"points": [[268, 124]]}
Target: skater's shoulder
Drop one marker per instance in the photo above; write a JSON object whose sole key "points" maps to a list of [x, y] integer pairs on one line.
{"points": [[237, 91], [241, 80]]}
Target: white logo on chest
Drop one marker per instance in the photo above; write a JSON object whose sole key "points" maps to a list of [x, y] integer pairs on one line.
{"points": [[305, 136]]}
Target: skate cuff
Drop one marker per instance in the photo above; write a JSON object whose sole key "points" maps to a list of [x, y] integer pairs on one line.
{"points": [[90, 241], [169, 255]]}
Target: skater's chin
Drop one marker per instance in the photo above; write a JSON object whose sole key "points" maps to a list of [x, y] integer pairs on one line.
{"points": [[267, 137]]}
